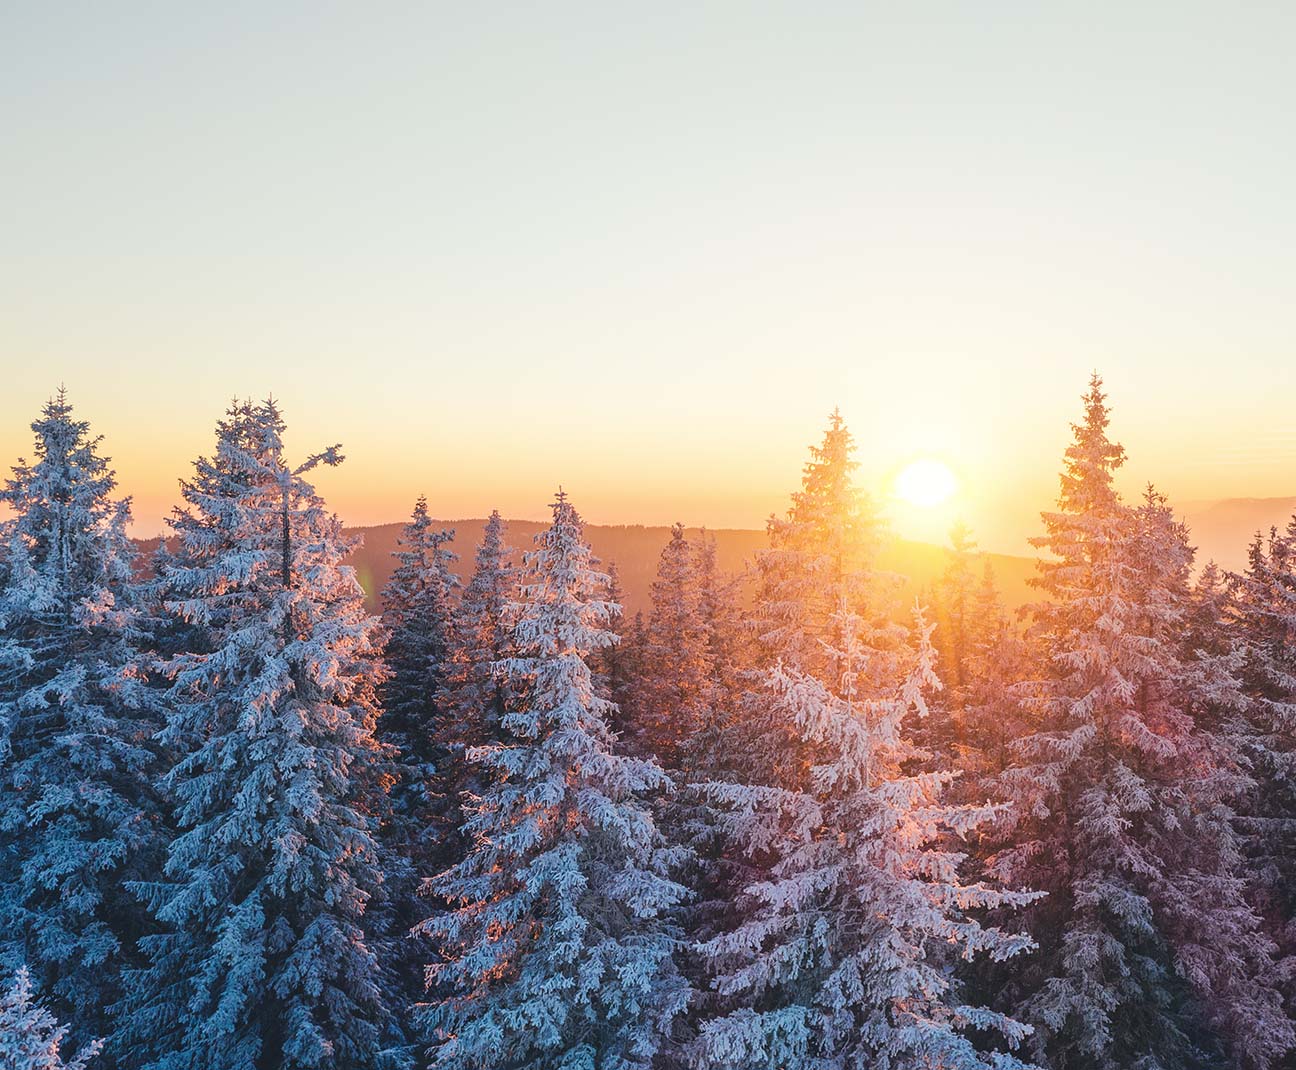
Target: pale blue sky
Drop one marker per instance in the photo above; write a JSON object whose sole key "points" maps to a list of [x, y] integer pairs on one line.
{"points": [[644, 249]]}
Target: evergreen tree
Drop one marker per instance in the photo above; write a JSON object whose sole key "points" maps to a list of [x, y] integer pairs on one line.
{"points": [[956, 602], [842, 950], [1263, 615], [30, 1037], [1149, 953], [77, 817], [481, 694], [615, 668], [676, 677], [263, 962], [727, 653], [416, 722], [996, 670], [822, 550], [954, 598], [559, 945], [421, 814]]}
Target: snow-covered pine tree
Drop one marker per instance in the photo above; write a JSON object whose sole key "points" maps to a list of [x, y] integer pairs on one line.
{"points": [[826, 544], [420, 828], [956, 594], [30, 1037], [829, 538], [559, 945], [944, 733], [842, 953], [728, 651], [615, 668], [1263, 616], [676, 671], [483, 640], [996, 669], [419, 620], [1149, 954], [263, 960], [77, 816]]}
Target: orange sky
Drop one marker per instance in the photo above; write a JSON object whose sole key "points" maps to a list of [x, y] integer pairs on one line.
{"points": [[704, 463], [645, 256]]}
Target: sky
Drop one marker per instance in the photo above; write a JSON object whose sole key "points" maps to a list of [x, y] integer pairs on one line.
{"points": [[644, 250]]}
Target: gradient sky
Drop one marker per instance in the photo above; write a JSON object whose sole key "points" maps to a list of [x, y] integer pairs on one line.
{"points": [[644, 249]]}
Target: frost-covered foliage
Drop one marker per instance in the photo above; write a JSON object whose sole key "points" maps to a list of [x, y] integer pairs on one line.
{"points": [[675, 660], [421, 820], [1263, 617], [1150, 954], [843, 948], [559, 942], [480, 696], [616, 668], [956, 608], [30, 1038], [418, 616], [263, 960], [824, 546], [984, 663], [76, 813]]}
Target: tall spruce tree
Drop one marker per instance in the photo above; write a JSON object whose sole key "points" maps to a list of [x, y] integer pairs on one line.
{"points": [[954, 603], [1149, 953], [1262, 615], [77, 817], [845, 936], [420, 828], [263, 962], [419, 620], [559, 945], [30, 1036], [823, 548], [676, 674], [483, 641], [991, 704]]}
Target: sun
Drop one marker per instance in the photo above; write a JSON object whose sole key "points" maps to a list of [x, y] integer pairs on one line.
{"points": [[925, 483]]}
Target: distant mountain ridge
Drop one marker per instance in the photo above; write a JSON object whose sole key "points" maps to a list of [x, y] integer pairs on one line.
{"points": [[635, 548], [1222, 530]]}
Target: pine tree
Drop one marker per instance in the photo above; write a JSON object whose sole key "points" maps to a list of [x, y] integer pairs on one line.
{"points": [[1149, 953], [559, 944], [481, 696], [954, 597], [676, 678], [956, 600], [263, 962], [1263, 614], [997, 668], [728, 653], [842, 950], [77, 817], [824, 546], [829, 538], [416, 722], [421, 817], [30, 1037], [615, 668]]}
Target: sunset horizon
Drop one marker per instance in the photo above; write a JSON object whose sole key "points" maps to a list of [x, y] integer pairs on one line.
{"points": [[648, 536]]}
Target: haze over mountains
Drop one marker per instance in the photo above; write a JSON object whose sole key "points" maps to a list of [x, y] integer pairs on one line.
{"points": [[635, 550], [1221, 531]]}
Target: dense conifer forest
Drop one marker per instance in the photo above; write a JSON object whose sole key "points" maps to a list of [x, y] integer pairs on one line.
{"points": [[247, 824]]}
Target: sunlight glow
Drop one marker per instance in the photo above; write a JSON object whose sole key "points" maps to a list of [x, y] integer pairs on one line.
{"points": [[925, 483]]}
